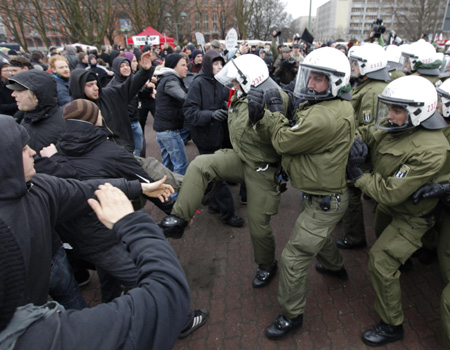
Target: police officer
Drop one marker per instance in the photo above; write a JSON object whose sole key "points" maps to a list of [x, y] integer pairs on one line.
{"points": [[407, 151], [314, 154], [393, 53], [252, 161], [442, 191], [369, 69], [420, 58]]}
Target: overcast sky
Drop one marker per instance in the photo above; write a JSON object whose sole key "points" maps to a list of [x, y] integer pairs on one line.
{"points": [[299, 8]]}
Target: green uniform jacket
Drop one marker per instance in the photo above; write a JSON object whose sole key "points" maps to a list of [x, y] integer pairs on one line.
{"points": [[444, 173], [402, 163], [315, 150], [365, 100], [251, 142]]}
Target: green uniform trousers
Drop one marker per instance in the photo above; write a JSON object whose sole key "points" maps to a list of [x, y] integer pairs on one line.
{"points": [[262, 196], [444, 265], [353, 219], [399, 237], [445, 316], [310, 237]]}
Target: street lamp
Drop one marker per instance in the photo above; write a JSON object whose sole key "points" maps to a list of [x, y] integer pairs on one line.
{"points": [[183, 15]]}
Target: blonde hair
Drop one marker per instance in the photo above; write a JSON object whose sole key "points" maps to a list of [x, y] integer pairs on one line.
{"points": [[55, 58]]}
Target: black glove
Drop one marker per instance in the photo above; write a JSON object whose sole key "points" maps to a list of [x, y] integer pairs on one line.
{"points": [[220, 115], [255, 105], [356, 158], [358, 152], [273, 100], [431, 191]]}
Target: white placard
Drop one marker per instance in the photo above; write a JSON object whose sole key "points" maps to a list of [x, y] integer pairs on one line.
{"points": [[231, 39], [200, 38], [143, 40]]}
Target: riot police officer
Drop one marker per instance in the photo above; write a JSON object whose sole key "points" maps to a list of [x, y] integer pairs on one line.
{"points": [[252, 161], [420, 58], [407, 151], [314, 154], [369, 68]]}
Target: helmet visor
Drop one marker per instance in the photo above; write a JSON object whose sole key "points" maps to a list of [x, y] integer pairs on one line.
{"points": [[312, 84], [392, 116], [228, 74], [355, 68], [444, 104], [405, 63]]}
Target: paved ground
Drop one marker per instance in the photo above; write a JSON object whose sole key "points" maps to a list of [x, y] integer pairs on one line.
{"points": [[219, 266]]}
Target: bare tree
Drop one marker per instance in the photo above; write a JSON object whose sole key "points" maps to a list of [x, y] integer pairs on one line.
{"points": [[14, 20], [83, 20], [268, 14], [226, 14], [243, 11], [414, 17]]}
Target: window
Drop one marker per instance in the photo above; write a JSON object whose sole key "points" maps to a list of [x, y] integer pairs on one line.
{"points": [[197, 21], [214, 20], [205, 21]]}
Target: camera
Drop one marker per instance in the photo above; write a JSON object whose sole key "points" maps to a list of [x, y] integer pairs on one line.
{"points": [[297, 36], [378, 28]]}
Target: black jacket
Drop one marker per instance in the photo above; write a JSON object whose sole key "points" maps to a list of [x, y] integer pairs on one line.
{"points": [[8, 103], [120, 79], [206, 95], [33, 209], [169, 101], [113, 102], [83, 150], [150, 316], [62, 87], [45, 122]]}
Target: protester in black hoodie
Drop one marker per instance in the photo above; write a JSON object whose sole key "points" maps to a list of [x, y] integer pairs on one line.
{"points": [[32, 204], [148, 317], [36, 96], [113, 100], [84, 148], [121, 67], [205, 111]]}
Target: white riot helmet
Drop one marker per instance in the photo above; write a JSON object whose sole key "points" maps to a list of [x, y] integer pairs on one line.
{"points": [[444, 71], [444, 98], [393, 54], [420, 56], [369, 60], [330, 66], [406, 103], [248, 70]]}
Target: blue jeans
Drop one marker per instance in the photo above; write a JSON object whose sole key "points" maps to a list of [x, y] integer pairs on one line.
{"points": [[138, 136], [173, 152], [63, 286]]}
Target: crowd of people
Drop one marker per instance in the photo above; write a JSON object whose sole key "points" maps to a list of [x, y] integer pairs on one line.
{"points": [[338, 122]]}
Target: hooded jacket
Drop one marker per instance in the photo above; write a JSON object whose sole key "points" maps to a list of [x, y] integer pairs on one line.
{"points": [[205, 96], [71, 55], [120, 79], [113, 102], [45, 122], [32, 209], [169, 101], [85, 149]]}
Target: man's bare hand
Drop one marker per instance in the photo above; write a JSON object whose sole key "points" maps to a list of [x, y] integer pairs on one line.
{"points": [[158, 189], [146, 62], [48, 151], [112, 205]]}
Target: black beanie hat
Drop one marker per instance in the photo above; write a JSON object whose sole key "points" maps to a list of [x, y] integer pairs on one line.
{"points": [[82, 110], [172, 60], [12, 275]]}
